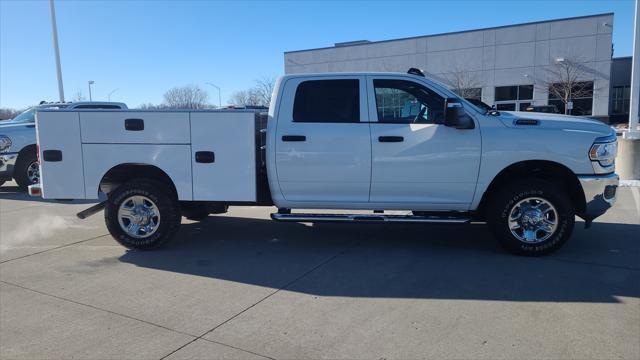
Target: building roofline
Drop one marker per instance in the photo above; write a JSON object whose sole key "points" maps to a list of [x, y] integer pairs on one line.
{"points": [[621, 58], [455, 32]]}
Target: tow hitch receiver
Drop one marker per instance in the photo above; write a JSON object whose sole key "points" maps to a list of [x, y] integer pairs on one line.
{"points": [[92, 210]]}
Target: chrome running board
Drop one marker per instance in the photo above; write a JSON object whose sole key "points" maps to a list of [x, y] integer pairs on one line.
{"points": [[369, 218]]}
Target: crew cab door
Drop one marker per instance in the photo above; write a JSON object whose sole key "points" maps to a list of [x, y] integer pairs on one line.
{"points": [[323, 147], [418, 163]]}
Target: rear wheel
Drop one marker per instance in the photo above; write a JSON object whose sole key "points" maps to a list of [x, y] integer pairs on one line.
{"points": [[27, 170], [142, 214], [532, 217]]}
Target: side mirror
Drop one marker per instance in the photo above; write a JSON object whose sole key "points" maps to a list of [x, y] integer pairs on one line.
{"points": [[455, 116]]}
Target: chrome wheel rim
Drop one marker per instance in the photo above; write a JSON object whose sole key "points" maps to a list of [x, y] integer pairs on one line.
{"points": [[138, 216], [533, 220], [33, 172]]}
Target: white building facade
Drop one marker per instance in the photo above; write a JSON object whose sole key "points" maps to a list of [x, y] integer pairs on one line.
{"points": [[508, 66]]}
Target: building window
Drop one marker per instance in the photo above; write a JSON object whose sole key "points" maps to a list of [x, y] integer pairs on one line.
{"points": [[581, 94], [470, 93], [620, 100], [512, 98], [330, 101]]}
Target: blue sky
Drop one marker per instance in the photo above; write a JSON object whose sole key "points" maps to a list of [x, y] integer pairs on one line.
{"points": [[143, 48]]}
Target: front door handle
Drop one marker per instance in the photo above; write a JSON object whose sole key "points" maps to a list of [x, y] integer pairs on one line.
{"points": [[390, 139], [294, 138]]}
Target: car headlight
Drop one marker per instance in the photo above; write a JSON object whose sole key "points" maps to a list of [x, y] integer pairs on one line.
{"points": [[5, 143], [604, 151]]}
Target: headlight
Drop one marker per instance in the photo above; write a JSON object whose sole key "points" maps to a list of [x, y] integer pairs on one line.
{"points": [[5, 143], [604, 152]]}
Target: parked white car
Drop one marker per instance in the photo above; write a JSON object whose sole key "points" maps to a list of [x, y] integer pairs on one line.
{"points": [[366, 141], [18, 155]]}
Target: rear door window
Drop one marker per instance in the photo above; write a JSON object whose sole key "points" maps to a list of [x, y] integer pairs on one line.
{"points": [[328, 101]]}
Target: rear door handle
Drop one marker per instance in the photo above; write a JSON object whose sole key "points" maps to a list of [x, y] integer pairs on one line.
{"points": [[294, 138], [390, 139], [134, 124], [205, 157]]}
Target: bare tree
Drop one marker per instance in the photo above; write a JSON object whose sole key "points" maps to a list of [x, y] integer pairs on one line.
{"points": [[186, 97], [150, 106], [78, 96], [567, 79], [264, 89], [463, 82], [258, 95], [245, 98], [6, 113]]}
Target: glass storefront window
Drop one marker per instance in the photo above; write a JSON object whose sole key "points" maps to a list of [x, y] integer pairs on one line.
{"points": [[512, 98], [582, 98], [506, 107], [620, 96], [505, 93], [525, 92]]}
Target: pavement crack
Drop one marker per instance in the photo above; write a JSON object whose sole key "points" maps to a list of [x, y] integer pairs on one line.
{"points": [[53, 248], [285, 286], [96, 308]]}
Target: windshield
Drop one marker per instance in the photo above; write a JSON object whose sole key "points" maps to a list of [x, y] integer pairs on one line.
{"points": [[27, 116]]}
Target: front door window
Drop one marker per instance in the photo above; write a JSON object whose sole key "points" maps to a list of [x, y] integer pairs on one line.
{"points": [[406, 102]]}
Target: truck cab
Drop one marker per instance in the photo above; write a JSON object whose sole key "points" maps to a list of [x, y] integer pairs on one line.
{"points": [[382, 142]]}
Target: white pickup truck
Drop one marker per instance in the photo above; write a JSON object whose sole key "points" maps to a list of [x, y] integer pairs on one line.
{"points": [[400, 146]]}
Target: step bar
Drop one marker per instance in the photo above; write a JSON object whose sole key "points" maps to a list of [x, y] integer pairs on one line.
{"points": [[369, 218]]}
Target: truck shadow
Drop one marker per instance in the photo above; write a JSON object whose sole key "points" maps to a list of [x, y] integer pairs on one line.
{"points": [[402, 261]]}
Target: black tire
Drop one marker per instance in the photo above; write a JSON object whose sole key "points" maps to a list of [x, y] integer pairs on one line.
{"points": [[504, 201], [196, 213], [167, 205], [200, 210], [24, 162]]}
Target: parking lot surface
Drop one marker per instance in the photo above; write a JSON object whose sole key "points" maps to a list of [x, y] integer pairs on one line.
{"points": [[240, 286]]}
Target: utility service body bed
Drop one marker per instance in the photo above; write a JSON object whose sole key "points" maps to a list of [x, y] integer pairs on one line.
{"points": [[210, 155]]}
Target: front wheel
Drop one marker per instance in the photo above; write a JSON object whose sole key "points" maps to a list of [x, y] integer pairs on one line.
{"points": [[532, 217], [142, 214]]}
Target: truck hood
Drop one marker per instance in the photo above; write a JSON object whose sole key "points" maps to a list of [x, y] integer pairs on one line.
{"points": [[555, 121]]}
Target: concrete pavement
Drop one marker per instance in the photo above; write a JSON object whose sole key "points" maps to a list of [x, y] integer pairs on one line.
{"points": [[241, 286]]}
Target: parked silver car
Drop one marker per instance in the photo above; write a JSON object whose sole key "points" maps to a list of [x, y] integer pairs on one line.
{"points": [[18, 154]]}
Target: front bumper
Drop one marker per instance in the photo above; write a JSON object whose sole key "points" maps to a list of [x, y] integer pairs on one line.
{"points": [[7, 164], [599, 193]]}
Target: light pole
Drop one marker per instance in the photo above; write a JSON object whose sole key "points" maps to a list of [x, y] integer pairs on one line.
{"points": [[635, 80], [112, 91], [56, 50], [219, 94], [628, 159], [90, 82]]}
